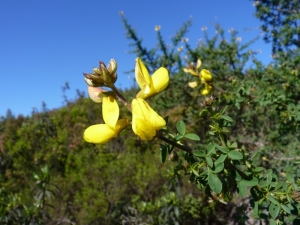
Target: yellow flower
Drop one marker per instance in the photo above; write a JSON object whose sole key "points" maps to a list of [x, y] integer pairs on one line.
{"points": [[150, 85], [191, 71], [145, 121], [205, 78], [102, 133], [193, 84], [206, 90]]}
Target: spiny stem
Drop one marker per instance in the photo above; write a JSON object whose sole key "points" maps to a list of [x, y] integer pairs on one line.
{"points": [[171, 142], [121, 97]]}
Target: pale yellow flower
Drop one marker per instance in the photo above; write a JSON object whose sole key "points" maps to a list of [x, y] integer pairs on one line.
{"points": [[193, 84], [157, 28]]}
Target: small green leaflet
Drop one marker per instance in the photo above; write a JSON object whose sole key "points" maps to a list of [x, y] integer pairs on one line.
{"points": [[181, 127]]}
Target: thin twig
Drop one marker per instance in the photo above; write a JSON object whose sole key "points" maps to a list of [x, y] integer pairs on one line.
{"points": [[177, 145]]}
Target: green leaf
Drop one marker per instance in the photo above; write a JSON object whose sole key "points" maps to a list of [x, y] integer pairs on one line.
{"points": [[242, 189], [273, 200], [163, 153], [235, 155], [221, 158], [178, 137], [222, 149], [255, 207], [224, 109], [218, 167], [272, 222], [199, 153], [258, 169], [240, 99], [269, 175], [211, 133], [203, 112], [290, 178], [209, 162], [286, 209], [214, 183], [263, 183], [233, 145], [254, 154], [297, 162], [250, 183], [181, 127], [193, 137], [227, 118], [274, 210], [210, 148], [237, 176], [195, 172]]}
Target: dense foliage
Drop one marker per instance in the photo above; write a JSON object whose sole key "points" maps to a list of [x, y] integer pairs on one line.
{"points": [[243, 169]]}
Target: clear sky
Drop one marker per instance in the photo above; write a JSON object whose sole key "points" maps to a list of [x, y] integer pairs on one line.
{"points": [[45, 43]]}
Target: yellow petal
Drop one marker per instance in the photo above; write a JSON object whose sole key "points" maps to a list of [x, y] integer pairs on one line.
{"points": [[121, 124], [206, 90], [141, 110], [205, 76], [110, 111], [187, 70], [198, 63], [144, 92], [160, 80], [143, 129], [193, 84], [99, 134], [141, 74]]}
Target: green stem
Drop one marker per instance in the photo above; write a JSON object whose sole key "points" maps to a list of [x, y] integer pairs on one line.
{"points": [[173, 143], [222, 140]]}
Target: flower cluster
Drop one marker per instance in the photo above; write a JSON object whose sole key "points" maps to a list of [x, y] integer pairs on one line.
{"points": [[204, 75], [145, 121]]}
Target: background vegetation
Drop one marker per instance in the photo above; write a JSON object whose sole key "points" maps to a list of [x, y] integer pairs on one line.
{"points": [[50, 175]]}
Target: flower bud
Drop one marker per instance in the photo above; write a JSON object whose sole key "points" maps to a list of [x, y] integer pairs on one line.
{"points": [[112, 66], [105, 74], [97, 71], [93, 80], [102, 76], [112, 69]]}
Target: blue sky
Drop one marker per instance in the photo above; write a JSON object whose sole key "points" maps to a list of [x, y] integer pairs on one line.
{"points": [[45, 43]]}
